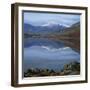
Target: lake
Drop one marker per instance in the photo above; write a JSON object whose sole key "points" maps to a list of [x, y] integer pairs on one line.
{"points": [[46, 53]]}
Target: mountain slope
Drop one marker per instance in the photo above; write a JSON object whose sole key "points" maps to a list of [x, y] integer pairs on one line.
{"points": [[73, 31], [49, 28]]}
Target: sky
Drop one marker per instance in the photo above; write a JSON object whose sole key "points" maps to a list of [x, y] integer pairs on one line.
{"points": [[40, 18]]}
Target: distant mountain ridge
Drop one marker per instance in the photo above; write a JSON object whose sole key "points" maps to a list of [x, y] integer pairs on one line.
{"points": [[50, 28], [46, 28]]}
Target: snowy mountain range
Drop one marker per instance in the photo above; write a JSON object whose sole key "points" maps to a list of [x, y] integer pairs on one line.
{"points": [[45, 28], [50, 27], [52, 24]]}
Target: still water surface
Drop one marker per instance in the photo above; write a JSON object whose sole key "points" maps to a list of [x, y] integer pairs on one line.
{"points": [[45, 53]]}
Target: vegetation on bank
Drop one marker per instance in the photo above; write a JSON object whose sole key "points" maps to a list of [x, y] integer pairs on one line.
{"points": [[72, 68]]}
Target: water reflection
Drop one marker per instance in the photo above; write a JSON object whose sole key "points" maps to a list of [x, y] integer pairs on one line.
{"points": [[45, 53]]}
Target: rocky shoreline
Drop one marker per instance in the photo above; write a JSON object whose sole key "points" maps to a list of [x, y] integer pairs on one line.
{"points": [[72, 68]]}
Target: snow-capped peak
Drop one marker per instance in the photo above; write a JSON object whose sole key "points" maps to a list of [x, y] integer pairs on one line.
{"points": [[51, 23]]}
